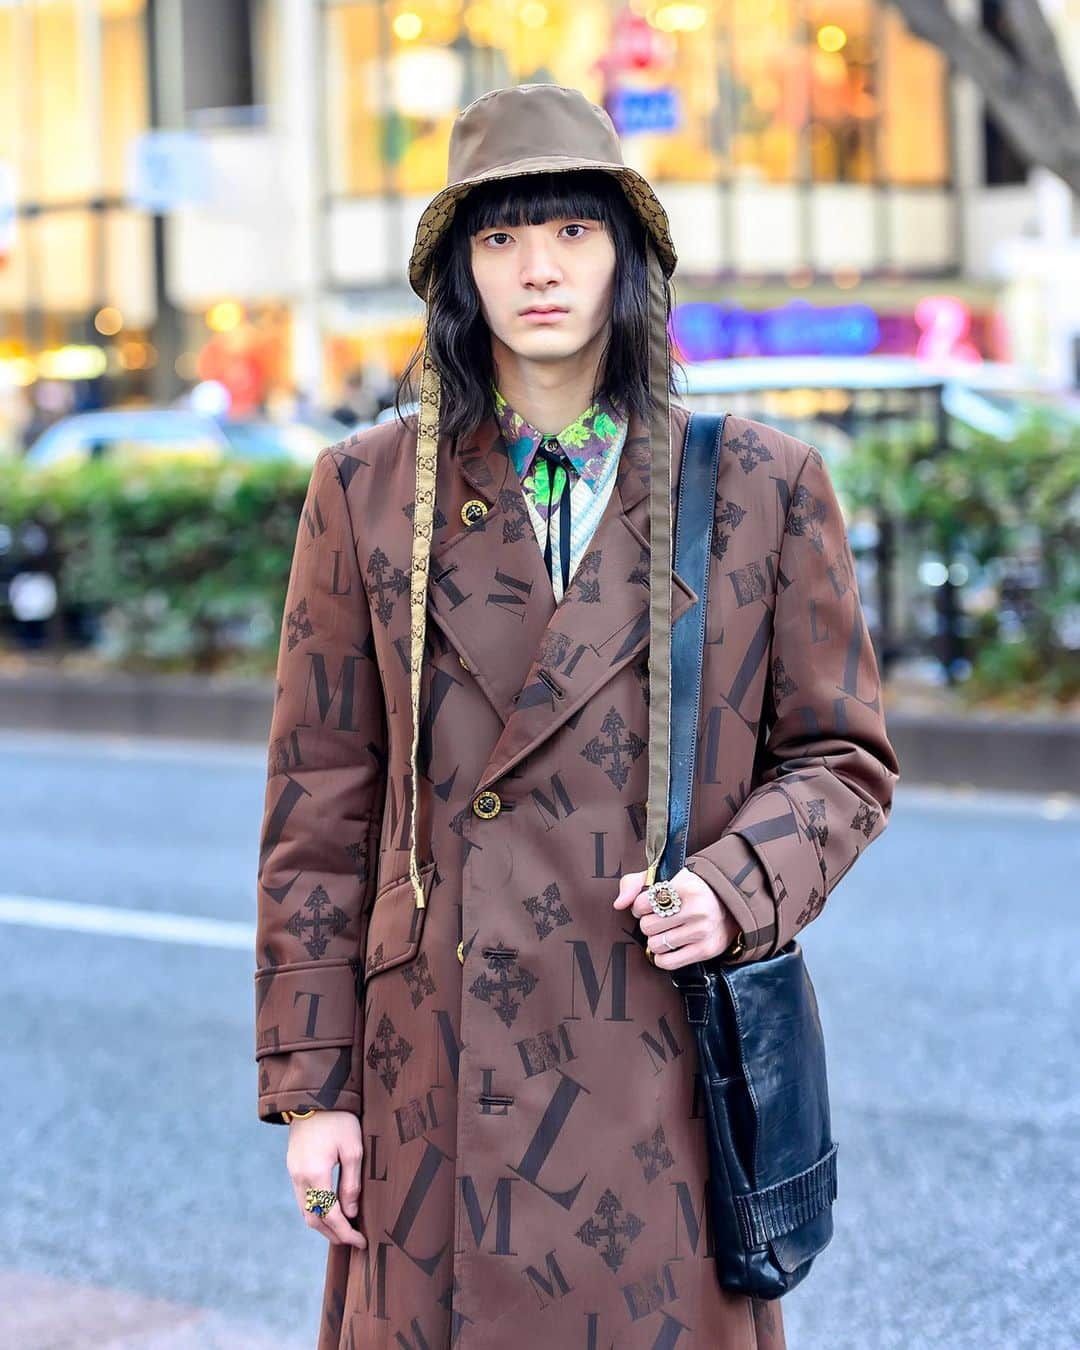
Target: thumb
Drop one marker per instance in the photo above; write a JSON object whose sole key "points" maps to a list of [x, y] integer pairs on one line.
{"points": [[629, 886]]}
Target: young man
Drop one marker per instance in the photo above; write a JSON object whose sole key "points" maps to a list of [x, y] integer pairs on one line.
{"points": [[450, 996]]}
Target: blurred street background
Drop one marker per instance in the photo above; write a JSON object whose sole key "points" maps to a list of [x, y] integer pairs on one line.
{"points": [[206, 210]]}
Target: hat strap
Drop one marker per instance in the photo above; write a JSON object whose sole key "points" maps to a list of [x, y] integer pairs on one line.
{"points": [[427, 441], [659, 375]]}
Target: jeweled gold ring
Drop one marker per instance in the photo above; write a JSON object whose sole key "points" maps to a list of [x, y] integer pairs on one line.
{"points": [[319, 1202], [664, 898]]}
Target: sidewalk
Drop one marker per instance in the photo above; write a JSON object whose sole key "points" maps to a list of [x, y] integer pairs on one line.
{"points": [[936, 739]]}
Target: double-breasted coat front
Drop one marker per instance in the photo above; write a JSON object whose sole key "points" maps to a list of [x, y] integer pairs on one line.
{"points": [[535, 1163]]}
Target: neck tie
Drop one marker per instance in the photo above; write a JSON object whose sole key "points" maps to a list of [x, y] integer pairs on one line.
{"points": [[553, 457]]}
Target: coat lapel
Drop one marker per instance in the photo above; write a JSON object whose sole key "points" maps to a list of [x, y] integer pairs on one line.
{"points": [[536, 661]]}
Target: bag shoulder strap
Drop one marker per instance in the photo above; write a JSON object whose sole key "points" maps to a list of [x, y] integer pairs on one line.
{"points": [[693, 548]]}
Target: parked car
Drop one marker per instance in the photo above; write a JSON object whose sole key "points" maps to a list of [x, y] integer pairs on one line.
{"points": [[133, 433], [829, 400]]}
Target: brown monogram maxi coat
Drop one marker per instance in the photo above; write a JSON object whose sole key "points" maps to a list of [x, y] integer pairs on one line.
{"points": [[535, 1164]]}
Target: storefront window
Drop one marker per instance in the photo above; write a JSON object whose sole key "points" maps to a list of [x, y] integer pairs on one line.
{"points": [[124, 86], [765, 87], [65, 152], [844, 100], [73, 92], [773, 90], [915, 140]]}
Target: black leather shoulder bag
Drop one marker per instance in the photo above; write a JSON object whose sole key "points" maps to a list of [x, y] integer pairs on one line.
{"points": [[760, 1046]]}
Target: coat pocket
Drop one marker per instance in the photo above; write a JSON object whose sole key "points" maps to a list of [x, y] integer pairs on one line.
{"points": [[396, 922]]}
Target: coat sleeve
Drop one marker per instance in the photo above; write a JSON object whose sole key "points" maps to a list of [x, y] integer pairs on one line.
{"points": [[319, 838], [826, 769]]}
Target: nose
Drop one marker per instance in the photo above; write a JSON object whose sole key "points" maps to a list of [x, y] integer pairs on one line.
{"points": [[539, 265]]}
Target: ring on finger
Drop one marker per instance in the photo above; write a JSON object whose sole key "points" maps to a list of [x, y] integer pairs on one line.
{"points": [[667, 944], [318, 1201]]}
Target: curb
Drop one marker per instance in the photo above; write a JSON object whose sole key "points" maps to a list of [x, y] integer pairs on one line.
{"points": [[1012, 754]]}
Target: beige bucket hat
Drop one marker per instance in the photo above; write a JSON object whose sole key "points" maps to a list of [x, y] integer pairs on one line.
{"points": [[546, 128]]}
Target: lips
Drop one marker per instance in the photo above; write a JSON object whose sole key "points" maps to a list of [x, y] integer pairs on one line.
{"points": [[543, 309]]}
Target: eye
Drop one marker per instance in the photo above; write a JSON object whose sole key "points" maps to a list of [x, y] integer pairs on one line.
{"points": [[499, 234], [575, 227]]}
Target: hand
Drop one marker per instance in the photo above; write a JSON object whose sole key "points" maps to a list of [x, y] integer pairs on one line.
{"points": [[316, 1144], [702, 928]]}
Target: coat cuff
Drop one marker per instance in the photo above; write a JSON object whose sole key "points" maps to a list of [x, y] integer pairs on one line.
{"points": [[309, 1027], [733, 871]]}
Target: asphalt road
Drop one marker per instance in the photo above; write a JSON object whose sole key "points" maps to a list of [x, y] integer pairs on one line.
{"points": [[145, 1205]]}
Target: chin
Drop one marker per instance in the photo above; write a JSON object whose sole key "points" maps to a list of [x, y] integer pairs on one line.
{"points": [[546, 345]]}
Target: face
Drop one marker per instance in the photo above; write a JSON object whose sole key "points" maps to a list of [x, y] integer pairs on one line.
{"points": [[566, 266]]}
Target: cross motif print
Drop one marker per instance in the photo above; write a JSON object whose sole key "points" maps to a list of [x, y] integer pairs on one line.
{"points": [[586, 580], [654, 1154], [388, 1052], [812, 907], [819, 821], [548, 912], [806, 517], [750, 450], [417, 975], [298, 624], [599, 749], [604, 1226], [515, 516], [397, 583], [498, 990], [322, 925], [639, 574]]}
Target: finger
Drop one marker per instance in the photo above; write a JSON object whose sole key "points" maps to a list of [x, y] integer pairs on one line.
{"points": [[343, 1231], [629, 885], [680, 935], [313, 1220], [349, 1181], [682, 956], [652, 922]]}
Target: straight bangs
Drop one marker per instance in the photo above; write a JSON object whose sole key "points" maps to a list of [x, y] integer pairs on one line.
{"points": [[534, 199], [457, 336]]}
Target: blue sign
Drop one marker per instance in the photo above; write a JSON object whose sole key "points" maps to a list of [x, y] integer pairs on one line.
{"points": [[644, 110], [708, 332], [168, 169]]}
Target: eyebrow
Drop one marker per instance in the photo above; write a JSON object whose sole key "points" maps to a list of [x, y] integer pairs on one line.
{"points": [[506, 225]]}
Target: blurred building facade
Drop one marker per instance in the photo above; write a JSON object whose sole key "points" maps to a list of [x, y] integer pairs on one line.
{"points": [[192, 187]]}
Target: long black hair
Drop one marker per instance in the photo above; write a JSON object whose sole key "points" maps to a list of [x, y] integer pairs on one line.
{"points": [[457, 333]]}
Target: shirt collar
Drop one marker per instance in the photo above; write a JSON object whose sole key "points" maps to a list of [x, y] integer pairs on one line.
{"points": [[586, 441]]}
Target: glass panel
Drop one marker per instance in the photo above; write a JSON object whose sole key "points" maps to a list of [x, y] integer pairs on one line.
{"points": [[769, 94], [354, 80], [124, 91], [442, 54], [915, 147], [64, 152], [844, 104], [11, 94]]}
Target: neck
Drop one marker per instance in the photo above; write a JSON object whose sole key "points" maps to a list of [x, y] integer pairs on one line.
{"points": [[548, 394]]}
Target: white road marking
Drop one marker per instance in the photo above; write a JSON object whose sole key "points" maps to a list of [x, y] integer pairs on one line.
{"points": [[155, 927]]}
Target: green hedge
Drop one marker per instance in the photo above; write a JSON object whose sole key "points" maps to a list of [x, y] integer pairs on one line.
{"points": [[185, 561], [1006, 505]]}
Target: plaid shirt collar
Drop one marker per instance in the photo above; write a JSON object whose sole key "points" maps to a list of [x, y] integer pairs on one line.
{"points": [[587, 440]]}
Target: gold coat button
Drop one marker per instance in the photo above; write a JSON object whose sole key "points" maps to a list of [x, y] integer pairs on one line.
{"points": [[473, 510], [464, 663], [487, 804], [461, 951]]}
